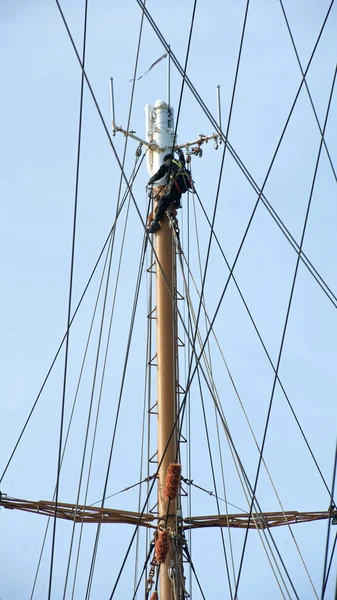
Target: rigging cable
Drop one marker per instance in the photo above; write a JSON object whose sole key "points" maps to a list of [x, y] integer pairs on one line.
{"points": [[135, 304], [110, 252], [192, 318], [203, 279], [261, 195], [325, 578], [239, 467], [69, 304], [236, 392], [257, 189], [284, 332], [307, 88], [107, 241], [81, 370], [330, 561], [265, 349], [179, 107]]}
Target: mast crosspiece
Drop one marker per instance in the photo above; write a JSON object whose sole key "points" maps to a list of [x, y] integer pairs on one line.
{"points": [[94, 514]]}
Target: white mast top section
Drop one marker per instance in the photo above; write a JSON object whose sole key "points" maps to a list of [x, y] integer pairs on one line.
{"points": [[159, 131]]}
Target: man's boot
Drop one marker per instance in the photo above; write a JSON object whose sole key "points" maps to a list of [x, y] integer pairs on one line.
{"points": [[153, 227]]}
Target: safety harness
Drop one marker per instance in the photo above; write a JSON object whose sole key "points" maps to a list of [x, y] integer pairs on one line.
{"points": [[184, 176]]}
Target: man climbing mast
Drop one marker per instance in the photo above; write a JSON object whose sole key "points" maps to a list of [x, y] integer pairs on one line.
{"points": [[178, 181]]}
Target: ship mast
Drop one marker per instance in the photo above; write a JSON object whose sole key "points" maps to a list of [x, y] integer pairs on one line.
{"points": [[160, 129]]}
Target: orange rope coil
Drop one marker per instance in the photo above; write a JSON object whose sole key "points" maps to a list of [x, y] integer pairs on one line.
{"points": [[172, 482], [162, 546]]}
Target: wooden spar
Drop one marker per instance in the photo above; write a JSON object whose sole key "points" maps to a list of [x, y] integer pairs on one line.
{"points": [[166, 367], [95, 514]]}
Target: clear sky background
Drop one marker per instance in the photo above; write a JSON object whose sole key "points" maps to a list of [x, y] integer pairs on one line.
{"points": [[40, 98]]}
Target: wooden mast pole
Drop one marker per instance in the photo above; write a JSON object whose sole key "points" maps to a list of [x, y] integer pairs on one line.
{"points": [[166, 357]]}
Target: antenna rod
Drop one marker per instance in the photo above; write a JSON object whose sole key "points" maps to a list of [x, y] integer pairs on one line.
{"points": [[219, 108], [169, 77], [112, 101]]}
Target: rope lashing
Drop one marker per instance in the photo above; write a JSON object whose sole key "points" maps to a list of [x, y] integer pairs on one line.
{"points": [[162, 546], [172, 482]]}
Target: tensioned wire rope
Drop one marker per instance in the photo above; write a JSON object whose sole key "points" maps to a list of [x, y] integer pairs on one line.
{"points": [[176, 125], [219, 410], [145, 453], [180, 252], [77, 390], [189, 277], [217, 399], [70, 295], [266, 177], [212, 383], [111, 317], [325, 572], [261, 196], [269, 476], [307, 88], [217, 502], [178, 419], [98, 529], [285, 330], [98, 260], [100, 390], [257, 189], [203, 278], [132, 178], [186, 60], [144, 506], [264, 346], [272, 162], [103, 495]]}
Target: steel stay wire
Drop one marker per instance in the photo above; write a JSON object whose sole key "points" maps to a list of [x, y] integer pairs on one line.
{"points": [[330, 561], [110, 252], [72, 263], [247, 492], [118, 404], [118, 408], [262, 196], [284, 332], [71, 322], [325, 579], [257, 189], [72, 410], [196, 324], [178, 418], [212, 379], [177, 120], [214, 318], [233, 450], [308, 91], [264, 347]]}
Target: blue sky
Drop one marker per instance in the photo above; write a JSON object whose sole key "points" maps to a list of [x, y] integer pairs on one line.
{"points": [[39, 125]]}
